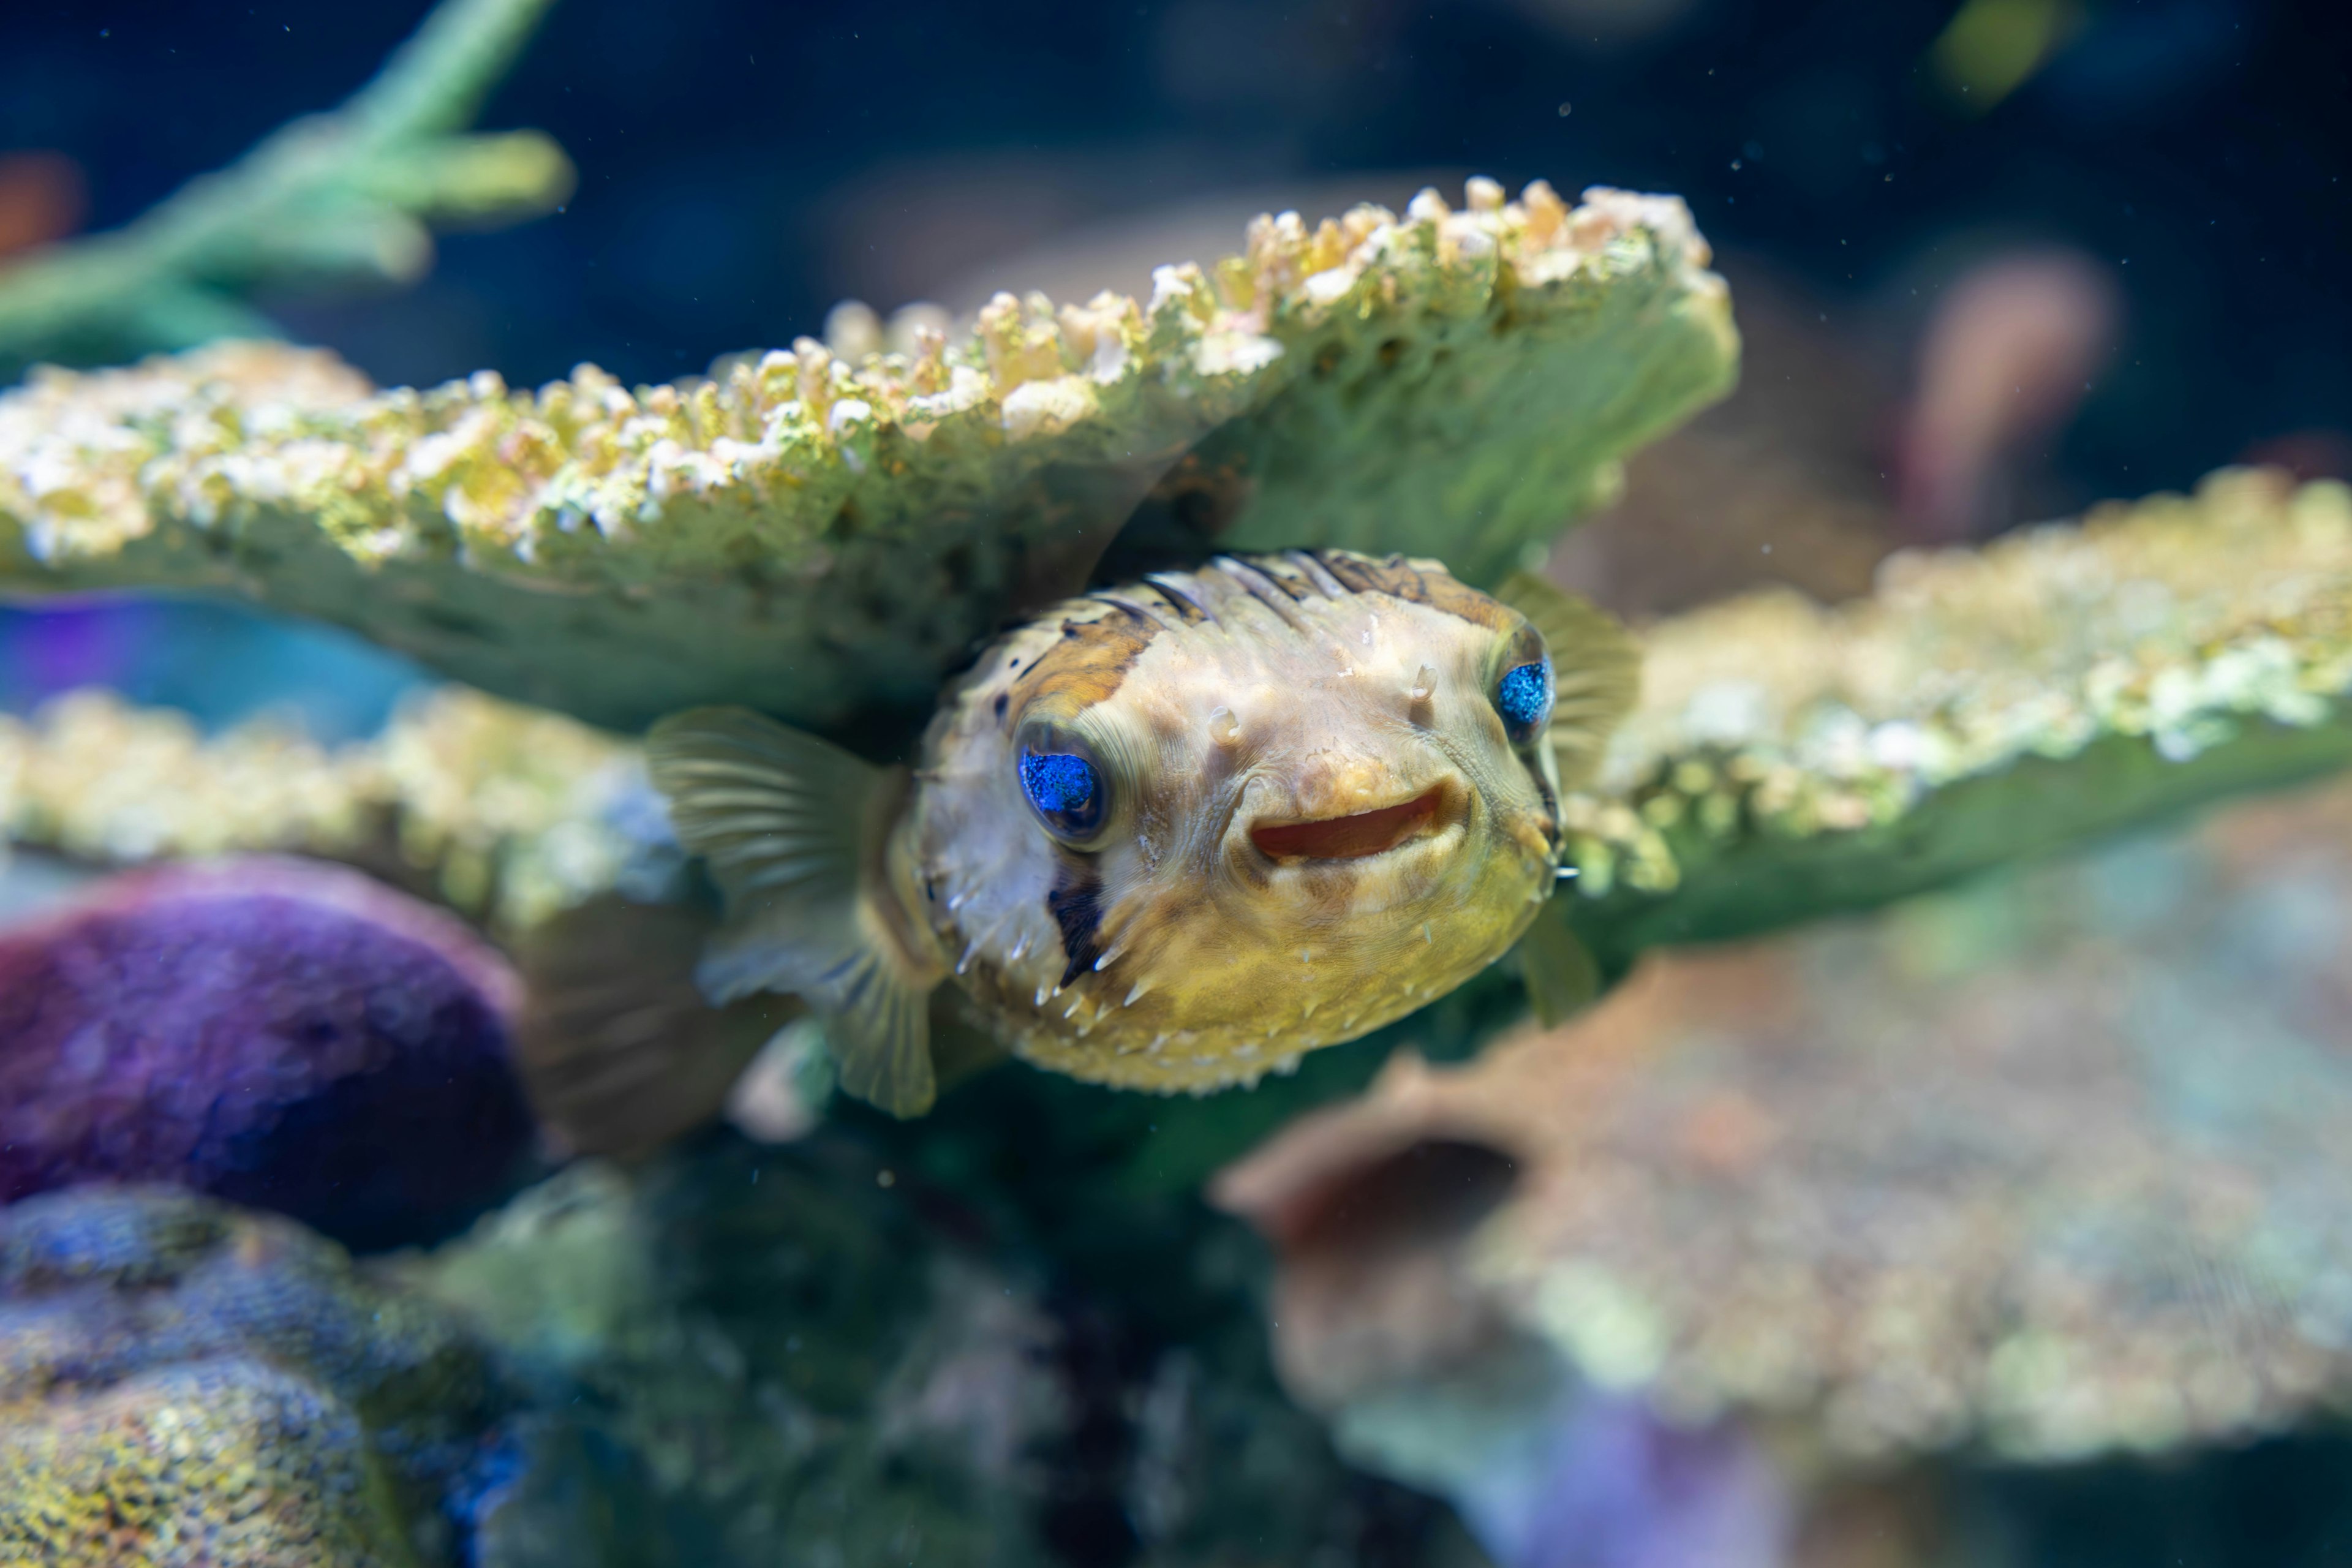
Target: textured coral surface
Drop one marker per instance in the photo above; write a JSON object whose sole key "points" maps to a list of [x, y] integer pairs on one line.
{"points": [[282, 1033], [227, 1462], [823, 537], [1978, 707], [506, 813], [182, 1385]]}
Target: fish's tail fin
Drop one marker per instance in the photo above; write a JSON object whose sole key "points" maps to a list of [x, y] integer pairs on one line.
{"points": [[795, 832], [618, 1048]]}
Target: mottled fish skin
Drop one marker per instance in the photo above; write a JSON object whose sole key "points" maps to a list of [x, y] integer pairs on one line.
{"points": [[1173, 953]]}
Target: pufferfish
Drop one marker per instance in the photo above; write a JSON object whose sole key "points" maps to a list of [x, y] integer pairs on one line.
{"points": [[1169, 834]]}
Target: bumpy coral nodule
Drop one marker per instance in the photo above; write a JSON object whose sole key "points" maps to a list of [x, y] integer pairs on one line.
{"points": [[280, 1033], [182, 1385]]}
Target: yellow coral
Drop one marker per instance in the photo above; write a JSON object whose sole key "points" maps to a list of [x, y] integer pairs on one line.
{"points": [[822, 536]]}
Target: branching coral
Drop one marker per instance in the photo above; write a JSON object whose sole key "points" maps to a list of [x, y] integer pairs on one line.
{"points": [[821, 538], [344, 197]]}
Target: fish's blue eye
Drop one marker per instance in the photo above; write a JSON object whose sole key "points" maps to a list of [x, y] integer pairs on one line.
{"points": [[1066, 789], [1523, 697]]}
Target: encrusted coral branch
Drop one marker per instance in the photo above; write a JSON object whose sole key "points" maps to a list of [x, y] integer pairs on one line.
{"points": [[342, 198], [823, 538], [1790, 761], [505, 813]]}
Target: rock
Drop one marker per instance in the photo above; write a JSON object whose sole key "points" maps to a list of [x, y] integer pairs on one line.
{"points": [[279, 1033]]}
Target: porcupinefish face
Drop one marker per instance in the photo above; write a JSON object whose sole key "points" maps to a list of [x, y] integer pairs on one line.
{"points": [[1174, 833], [1168, 836]]}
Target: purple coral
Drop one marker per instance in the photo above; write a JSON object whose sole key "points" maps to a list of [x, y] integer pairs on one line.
{"points": [[280, 1033]]}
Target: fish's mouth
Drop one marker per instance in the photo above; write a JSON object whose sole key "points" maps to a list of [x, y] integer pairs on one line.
{"points": [[1353, 838]]}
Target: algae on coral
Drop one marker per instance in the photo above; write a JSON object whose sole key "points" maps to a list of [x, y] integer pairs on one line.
{"points": [[823, 540]]}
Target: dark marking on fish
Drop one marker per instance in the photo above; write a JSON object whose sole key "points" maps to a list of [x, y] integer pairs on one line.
{"points": [[1400, 579], [1089, 661], [1076, 904], [1265, 590], [1182, 598], [1315, 572], [1551, 805], [1003, 700]]}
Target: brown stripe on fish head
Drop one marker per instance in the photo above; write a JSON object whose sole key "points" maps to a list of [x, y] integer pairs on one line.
{"points": [[1418, 583], [1100, 641]]}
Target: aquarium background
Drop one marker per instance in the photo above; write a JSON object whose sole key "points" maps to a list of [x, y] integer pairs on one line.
{"points": [[1993, 263], [744, 167]]}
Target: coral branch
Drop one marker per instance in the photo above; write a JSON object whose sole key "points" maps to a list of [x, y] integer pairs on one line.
{"points": [[824, 539], [334, 200], [506, 814], [1788, 761]]}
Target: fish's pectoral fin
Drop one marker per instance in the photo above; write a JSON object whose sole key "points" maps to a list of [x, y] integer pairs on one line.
{"points": [[795, 832], [776, 813], [1561, 977], [1596, 670], [881, 1039]]}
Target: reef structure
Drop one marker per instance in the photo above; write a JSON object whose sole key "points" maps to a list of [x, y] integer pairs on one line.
{"points": [[184, 1384], [821, 533], [1789, 760]]}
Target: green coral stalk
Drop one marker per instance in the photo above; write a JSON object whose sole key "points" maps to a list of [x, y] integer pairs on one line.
{"points": [[340, 198], [823, 539]]}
